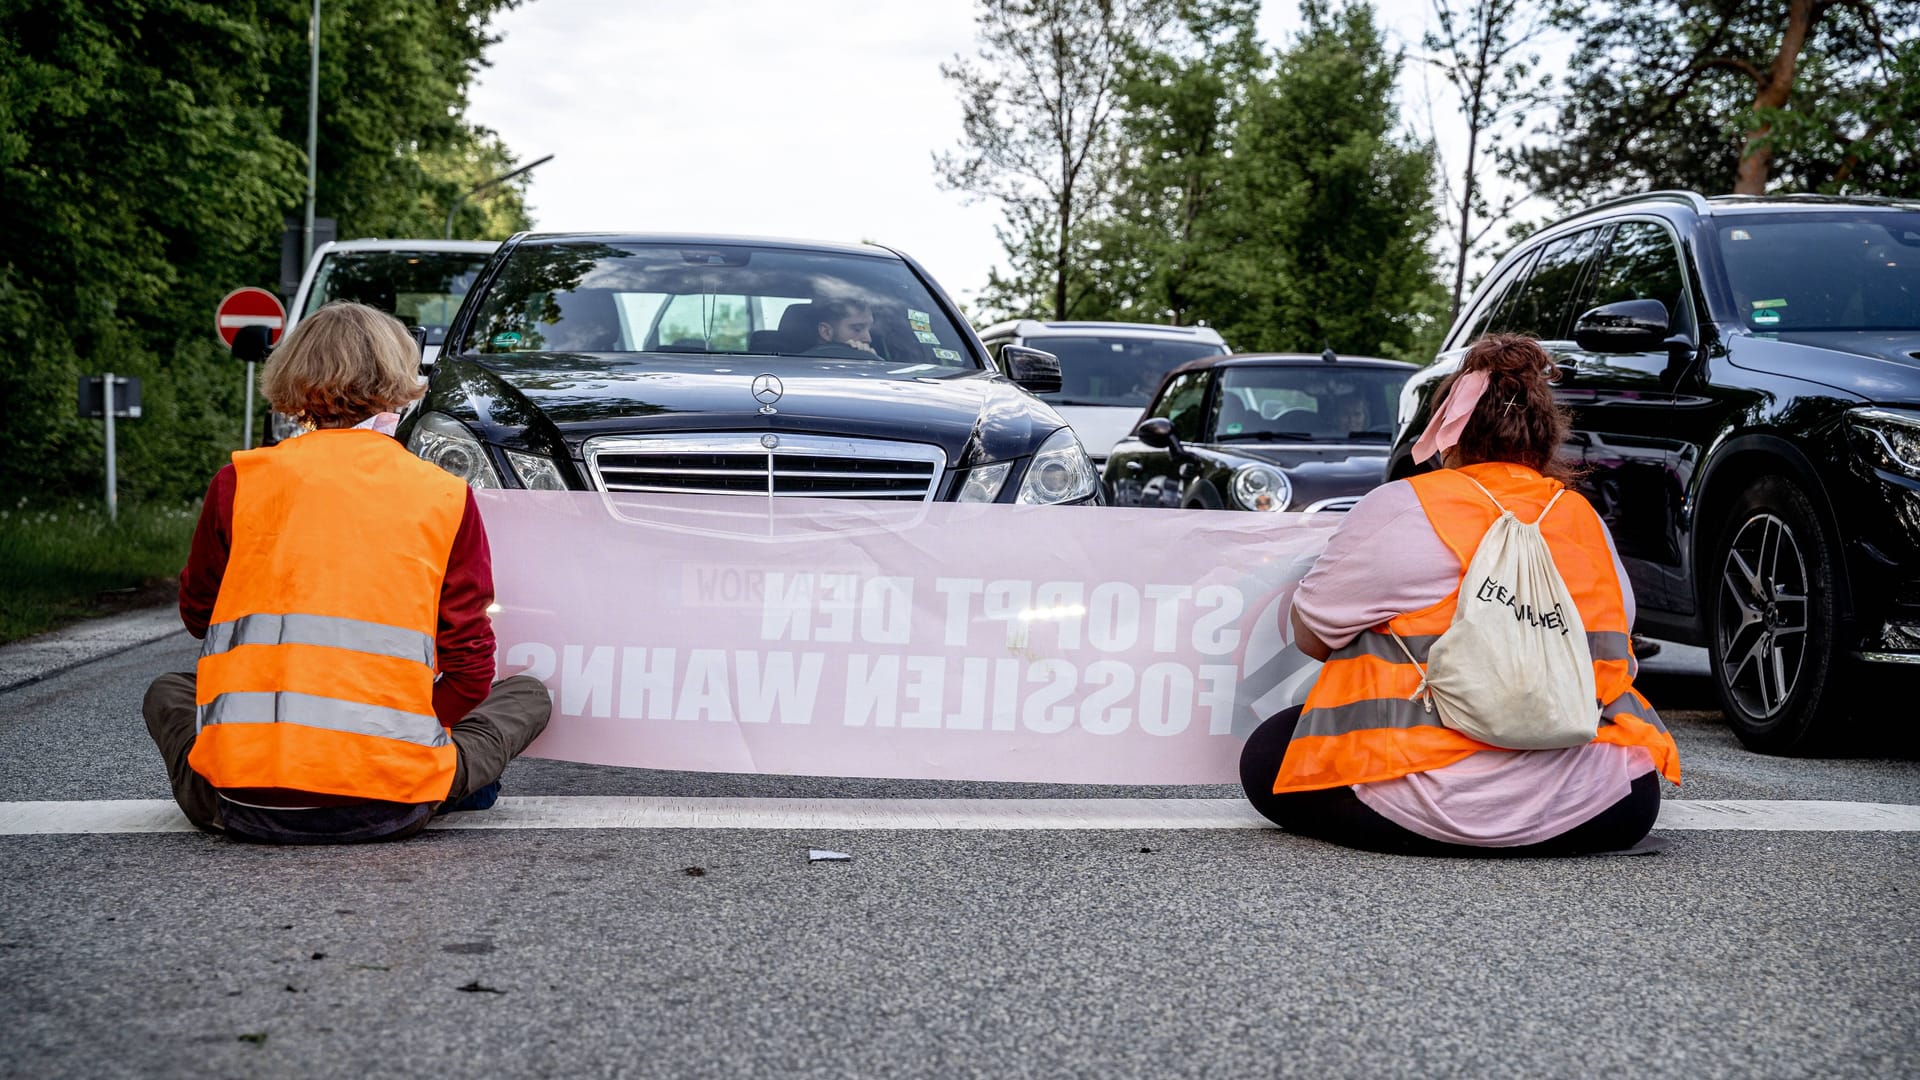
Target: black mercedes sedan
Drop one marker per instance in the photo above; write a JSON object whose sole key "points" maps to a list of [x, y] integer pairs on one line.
{"points": [[732, 366], [1744, 379], [1261, 431]]}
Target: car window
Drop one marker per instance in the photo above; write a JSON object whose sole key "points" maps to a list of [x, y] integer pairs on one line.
{"points": [[1541, 308], [1838, 271], [1116, 371], [1641, 262], [1487, 299], [1181, 402], [1307, 402], [420, 288], [723, 300]]}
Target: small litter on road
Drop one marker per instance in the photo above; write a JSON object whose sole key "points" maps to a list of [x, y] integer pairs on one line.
{"points": [[695, 871], [823, 855], [474, 987]]}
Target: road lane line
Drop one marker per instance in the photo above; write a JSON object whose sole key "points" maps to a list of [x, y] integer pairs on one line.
{"points": [[668, 812]]}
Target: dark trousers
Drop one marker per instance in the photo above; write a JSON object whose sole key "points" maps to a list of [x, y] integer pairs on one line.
{"points": [[492, 735], [1338, 816]]}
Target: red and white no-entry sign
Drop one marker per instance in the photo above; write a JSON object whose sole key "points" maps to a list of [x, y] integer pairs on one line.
{"points": [[249, 306]]}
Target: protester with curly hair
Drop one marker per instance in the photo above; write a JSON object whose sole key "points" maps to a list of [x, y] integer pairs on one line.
{"points": [[1367, 762]]}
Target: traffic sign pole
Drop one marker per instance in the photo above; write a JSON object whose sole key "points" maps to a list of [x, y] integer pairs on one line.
{"points": [[113, 486], [246, 440]]}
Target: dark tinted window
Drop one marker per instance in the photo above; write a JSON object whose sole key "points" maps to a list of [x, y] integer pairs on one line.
{"points": [[1180, 402], [1540, 308], [1301, 402], [1490, 298], [420, 288], [1842, 271], [724, 299], [1119, 371], [1641, 263]]}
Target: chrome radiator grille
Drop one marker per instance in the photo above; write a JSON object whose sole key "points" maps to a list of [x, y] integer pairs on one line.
{"points": [[745, 464]]}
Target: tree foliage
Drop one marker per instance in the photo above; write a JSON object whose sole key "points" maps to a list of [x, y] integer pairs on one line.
{"points": [[149, 151], [1038, 108], [1742, 95]]}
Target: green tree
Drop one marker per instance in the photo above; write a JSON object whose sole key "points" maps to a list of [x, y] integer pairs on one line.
{"points": [[149, 150], [1740, 95], [1154, 252], [1327, 215], [1038, 105]]}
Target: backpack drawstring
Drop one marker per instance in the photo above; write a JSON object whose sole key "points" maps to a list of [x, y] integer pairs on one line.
{"points": [[1422, 693]]}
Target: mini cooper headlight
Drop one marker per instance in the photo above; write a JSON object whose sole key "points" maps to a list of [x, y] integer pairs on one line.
{"points": [[1261, 487], [446, 442], [1059, 472], [1888, 438]]}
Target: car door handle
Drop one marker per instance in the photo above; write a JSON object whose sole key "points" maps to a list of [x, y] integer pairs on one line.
{"points": [[1134, 466]]}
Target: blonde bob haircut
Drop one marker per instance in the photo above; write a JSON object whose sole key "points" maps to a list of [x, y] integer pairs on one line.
{"points": [[342, 364]]}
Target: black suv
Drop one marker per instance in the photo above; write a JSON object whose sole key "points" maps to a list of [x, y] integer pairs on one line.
{"points": [[1744, 376]]}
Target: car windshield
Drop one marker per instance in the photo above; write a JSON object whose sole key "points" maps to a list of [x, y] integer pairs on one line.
{"points": [[420, 288], [1841, 271], [1118, 371], [1310, 402], [724, 299]]}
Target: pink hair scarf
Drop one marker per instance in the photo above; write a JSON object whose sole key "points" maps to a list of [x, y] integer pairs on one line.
{"points": [[1450, 419]]}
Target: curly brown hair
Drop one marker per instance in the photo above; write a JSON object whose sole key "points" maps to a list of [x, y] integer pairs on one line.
{"points": [[1517, 419]]}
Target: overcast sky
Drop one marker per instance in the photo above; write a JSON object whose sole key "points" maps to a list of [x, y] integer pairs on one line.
{"points": [[803, 118]]}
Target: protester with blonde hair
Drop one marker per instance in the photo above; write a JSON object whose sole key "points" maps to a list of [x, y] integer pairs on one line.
{"points": [[341, 586], [1369, 761]]}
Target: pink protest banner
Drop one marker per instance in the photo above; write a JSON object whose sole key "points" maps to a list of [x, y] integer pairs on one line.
{"points": [[1087, 645]]}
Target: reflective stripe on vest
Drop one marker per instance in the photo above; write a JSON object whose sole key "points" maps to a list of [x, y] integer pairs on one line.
{"points": [[1361, 722], [309, 710], [332, 631]]}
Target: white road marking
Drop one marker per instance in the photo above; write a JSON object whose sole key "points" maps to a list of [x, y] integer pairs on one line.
{"points": [[666, 812]]}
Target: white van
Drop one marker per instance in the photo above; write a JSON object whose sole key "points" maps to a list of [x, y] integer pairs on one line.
{"points": [[420, 282], [1108, 370]]}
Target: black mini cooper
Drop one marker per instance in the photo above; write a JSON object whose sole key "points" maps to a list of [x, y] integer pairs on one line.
{"points": [[1266, 432], [709, 365], [1744, 377]]}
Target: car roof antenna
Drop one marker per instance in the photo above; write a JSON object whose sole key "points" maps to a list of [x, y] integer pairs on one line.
{"points": [[1327, 352]]}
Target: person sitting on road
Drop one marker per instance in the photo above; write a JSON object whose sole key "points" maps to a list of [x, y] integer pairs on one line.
{"points": [[341, 586], [1365, 765], [842, 328]]}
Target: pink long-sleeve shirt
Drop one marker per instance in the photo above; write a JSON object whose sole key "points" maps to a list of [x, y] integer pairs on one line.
{"points": [[1384, 560]]}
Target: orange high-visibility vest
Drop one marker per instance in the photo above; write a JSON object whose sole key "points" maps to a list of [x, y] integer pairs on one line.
{"points": [[317, 671], [1362, 722]]}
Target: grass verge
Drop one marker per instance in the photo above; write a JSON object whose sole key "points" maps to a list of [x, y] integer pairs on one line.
{"points": [[62, 562]]}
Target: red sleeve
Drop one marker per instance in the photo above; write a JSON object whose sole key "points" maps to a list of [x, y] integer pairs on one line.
{"points": [[464, 645], [207, 560]]}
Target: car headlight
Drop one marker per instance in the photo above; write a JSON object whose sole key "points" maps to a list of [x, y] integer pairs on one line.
{"points": [[1261, 487], [983, 483], [1888, 438], [536, 473], [446, 442], [1059, 472]]}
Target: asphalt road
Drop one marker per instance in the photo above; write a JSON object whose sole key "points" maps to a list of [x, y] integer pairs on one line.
{"points": [[1111, 953]]}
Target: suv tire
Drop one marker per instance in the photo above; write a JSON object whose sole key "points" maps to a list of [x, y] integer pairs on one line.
{"points": [[1771, 623]]}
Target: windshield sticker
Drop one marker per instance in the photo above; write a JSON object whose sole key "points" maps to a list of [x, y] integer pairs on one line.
{"points": [[1739, 234], [927, 337], [506, 339], [946, 354], [1766, 317], [1769, 304], [919, 320]]}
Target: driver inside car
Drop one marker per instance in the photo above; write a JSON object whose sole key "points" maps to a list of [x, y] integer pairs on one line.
{"points": [[840, 326]]}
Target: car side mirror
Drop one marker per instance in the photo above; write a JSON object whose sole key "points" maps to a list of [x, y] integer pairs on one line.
{"points": [[419, 336], [1629, 326], [252, 344], [1032, 369], [1157, 432]]}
